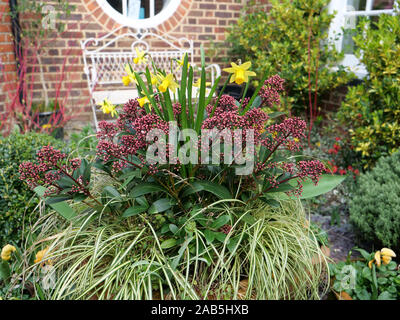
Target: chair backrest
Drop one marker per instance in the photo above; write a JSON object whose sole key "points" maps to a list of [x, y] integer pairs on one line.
{"points": [[104, 60]]}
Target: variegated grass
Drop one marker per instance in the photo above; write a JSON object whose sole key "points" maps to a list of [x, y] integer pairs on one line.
{"points": [[276, 257]]}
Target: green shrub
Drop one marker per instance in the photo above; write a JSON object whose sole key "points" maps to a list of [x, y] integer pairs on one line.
{"points": [[277, 43], [15, 196], [375, 207], [372, 109]]}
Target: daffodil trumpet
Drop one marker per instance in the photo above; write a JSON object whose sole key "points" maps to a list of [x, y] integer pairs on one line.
{"points": [[108, 108], [140, 56], [240, 72]]}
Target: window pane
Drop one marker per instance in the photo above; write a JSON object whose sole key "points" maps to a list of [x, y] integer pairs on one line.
{"points": [[356, 5], [116, 4], [140, 9], [349, 32], [134, 9], [382, 4]]}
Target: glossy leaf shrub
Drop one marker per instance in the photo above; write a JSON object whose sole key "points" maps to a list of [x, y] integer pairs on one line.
{"points": [[372, 109], [278, 41]]}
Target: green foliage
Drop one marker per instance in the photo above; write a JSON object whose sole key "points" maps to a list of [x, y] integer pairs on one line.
{"points": [[15, 196], [40, 15], [372, 109], [277, 43], [129, 259], [375, 207], [84, 142], [364, 283]]}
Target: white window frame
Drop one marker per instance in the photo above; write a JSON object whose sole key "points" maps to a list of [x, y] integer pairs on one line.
{"points": [[338, 23], [151, 22]]}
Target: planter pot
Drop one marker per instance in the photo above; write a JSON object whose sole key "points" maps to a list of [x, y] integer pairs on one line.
{"points": [[44, 118], [236, 91]]}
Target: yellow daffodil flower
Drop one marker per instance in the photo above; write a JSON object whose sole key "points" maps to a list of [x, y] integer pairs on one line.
{"points": [[40, 256], [153, 79], [240, 72], [142, 101], [6, 252], [108, 108], [140, 57], [46, 126], [127, 80], [197, 84], [181, 62], [167, 82]]}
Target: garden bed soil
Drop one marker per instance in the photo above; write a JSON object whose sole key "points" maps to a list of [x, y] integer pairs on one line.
{"points": [[341, 237]]}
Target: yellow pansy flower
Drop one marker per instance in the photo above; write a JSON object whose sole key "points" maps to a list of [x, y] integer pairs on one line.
{"points": [[167, 82], [140, 57], [108, 108], [6, 252], [198, 83], [385, 255], [142, 101], [40, 256], [388, 252], [240, 72], [378, 258], [386, 259]]}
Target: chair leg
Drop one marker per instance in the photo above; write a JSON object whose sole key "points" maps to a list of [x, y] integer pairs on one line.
{"points": [[95, 115]]}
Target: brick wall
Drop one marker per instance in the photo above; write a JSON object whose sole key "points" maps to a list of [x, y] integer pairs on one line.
{"points": [[7, 57], [198, 20]]}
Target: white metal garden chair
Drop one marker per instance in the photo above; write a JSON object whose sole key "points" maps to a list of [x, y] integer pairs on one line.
{"points": [[104, 62]]}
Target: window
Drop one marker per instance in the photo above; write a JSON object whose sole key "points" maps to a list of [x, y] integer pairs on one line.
{"points": [[139, 13], [346, 19]]}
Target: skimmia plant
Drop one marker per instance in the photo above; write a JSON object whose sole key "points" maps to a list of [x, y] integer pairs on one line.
{"points": [[172, 150], [198, 188]]}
